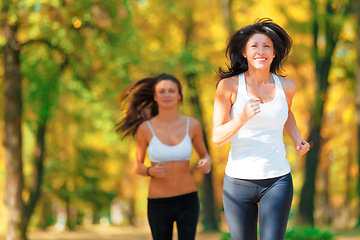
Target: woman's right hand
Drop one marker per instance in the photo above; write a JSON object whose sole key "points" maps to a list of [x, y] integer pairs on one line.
{"points": [[251, 108], [157, 170]]}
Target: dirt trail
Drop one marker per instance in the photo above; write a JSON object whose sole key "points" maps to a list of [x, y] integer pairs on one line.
{"points": [[106, 233], [98, 232]]}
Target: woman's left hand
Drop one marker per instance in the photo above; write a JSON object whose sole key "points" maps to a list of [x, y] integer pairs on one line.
{"points": [[204, 165], [302, 147]]}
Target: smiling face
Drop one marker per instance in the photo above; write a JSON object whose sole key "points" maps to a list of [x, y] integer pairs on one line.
{"points": [[167, 93], [259, 51]]}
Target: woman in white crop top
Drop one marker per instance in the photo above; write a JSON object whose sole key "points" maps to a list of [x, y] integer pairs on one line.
{"points": [[152, 115], [252, 107]]}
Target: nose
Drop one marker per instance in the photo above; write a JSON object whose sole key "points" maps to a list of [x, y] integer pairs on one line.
{"points": [[261, 49]]}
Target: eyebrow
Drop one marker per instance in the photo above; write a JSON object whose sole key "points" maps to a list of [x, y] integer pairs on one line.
{"points": [[258, 42], [160, 88]]}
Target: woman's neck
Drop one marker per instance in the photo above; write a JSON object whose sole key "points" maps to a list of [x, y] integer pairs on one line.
{"points": [[168, 115], [259, 77]]}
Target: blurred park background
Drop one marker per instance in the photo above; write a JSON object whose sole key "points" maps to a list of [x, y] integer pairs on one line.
{"points": [[64, 63]]}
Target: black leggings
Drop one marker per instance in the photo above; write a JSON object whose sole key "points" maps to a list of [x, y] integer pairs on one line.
{"points": [[163, 212]]}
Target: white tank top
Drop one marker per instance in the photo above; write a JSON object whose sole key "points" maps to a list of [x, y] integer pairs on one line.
{"points": [[159, 152], [258, 149]]}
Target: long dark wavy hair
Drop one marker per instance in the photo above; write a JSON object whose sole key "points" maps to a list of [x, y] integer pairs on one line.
{"points": [[139, 102], [236, 43]]}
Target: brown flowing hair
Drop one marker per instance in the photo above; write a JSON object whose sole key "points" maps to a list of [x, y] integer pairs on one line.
{"points": [[139, 102], [237, 41]]}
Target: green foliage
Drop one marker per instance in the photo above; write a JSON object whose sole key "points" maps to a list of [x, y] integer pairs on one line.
{"points": [[308, 233], [225, 236], [42, 74], [72, 75]]}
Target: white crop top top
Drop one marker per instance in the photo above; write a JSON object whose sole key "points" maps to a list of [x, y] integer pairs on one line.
{"points": [[258, 149], [159, 152]]}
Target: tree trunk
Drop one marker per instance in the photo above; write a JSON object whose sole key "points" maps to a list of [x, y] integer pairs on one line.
{"points": [[306, 206], [47, 215], [36, 175], [131, 212], [13, 120], [322, 56], [226, 6], [209, 220], [356, 10], [68, 214]]}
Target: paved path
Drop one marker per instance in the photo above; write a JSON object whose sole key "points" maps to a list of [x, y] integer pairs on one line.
{"points": [[107, 233], [98, 232]]}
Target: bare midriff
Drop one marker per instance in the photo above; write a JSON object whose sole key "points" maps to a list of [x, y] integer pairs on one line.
{"points": [[178, 181]]}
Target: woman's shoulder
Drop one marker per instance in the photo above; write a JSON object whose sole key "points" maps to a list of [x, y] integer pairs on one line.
{"points": [[194, 126], [229, 82], [289, 85], [143, 133], [228, 87], [193, 122], [143, 128]]}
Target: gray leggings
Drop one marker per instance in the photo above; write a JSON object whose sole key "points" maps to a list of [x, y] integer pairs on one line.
{"points": [[244, 200]]}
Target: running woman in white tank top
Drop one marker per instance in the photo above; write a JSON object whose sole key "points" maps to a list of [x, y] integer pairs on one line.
{"points": [[152, 114], [252, 108]]}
